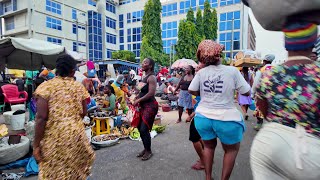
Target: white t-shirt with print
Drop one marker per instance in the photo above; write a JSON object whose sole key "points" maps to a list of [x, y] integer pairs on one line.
{"points": [[217, 85]]}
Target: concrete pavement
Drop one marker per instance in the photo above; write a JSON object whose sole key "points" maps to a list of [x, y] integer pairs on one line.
{"points": [[173, 157]]}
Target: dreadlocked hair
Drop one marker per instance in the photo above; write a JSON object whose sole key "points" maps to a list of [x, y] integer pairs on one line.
{"points": [[64, 65]]}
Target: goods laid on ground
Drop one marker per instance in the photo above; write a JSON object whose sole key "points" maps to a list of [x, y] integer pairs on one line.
{"points": [[105, 140], [11, 153], [122, 133], [3, 130], [156, 129]]}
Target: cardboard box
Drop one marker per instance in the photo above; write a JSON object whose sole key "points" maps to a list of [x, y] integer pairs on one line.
{"points": [[247, 62]]}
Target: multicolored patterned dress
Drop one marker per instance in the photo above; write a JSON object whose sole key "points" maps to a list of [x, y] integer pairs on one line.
{"points": [[65, 149], [293, 94]]}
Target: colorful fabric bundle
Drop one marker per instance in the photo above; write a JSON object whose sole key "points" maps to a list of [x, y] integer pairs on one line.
{"points": [[300, 35]]}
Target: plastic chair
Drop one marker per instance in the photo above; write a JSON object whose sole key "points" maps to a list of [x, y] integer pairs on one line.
{"points": [[100, 127], [12, 95]]}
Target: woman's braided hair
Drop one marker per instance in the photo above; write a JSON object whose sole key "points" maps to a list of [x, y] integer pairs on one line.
{"points": [[209, 52], [64, 65]]}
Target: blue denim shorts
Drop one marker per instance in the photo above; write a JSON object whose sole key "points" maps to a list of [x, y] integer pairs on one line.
{"points": [[229, 132]]}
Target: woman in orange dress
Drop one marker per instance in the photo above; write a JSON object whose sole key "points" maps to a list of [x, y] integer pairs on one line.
{"points": [[60, 145]]}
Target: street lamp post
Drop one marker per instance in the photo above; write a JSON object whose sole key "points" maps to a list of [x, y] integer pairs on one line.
{"points": [[77, 35], [77, 31], [231, 51]]}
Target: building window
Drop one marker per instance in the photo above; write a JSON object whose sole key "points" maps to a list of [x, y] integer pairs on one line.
{"points": [[122, 2], [136, 49], [121, 47], [74, 46], [128, 17], [136, 35], [169, 30], [9, 23], [121, 21], [213, 3], [167, 45], [74, 28], [111, 38], [54, 40], [225, 39], [121, 36], [7, 6], [169, 10], [95, 35], [109, 53], [128, 35], [53, 23], [228, 2], [92, 2], [137, 16], [129, 47], [226, 21], [110, 7], [74, 14], [185, 6], [54, 7], [111, 23]]}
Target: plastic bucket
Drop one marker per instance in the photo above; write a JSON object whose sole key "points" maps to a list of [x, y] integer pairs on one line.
{"points": [[18, 107], [17, 121]]}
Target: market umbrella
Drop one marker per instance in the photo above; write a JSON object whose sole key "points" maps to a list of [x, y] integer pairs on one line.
{"points": [[30, 54], [180, 63]]}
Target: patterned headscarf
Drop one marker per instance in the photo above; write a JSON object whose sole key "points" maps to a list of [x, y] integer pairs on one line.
{"points": [[209, 52], [300, 35]]}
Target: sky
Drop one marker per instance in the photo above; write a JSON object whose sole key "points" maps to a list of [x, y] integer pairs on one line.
{"points": [[268, 42]]}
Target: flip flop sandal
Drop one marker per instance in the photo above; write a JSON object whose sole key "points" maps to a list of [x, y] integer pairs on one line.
{"points": [[141, 154], [146, 157]]}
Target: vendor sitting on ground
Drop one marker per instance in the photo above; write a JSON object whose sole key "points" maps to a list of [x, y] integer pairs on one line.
{"points": [[110, 103], [120, 93]]}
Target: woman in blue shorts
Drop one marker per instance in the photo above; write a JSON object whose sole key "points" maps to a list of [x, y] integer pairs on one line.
{"points": [[216, 114]]}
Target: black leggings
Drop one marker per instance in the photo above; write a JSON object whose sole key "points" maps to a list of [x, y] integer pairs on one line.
{"points": [[145, 136]]}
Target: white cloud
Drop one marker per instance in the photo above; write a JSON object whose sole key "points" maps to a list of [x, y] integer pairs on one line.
{"points": [[269, 42]]}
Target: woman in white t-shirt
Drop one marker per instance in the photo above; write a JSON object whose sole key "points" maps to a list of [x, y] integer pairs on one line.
{"points": [[216, 115]]}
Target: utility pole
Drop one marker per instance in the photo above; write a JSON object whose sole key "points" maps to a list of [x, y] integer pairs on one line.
{"points": [[77, 31], [231, 51], [170, 55]]}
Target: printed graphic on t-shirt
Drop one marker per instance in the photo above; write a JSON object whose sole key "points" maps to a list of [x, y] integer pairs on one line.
{"points": [[213, 85]]}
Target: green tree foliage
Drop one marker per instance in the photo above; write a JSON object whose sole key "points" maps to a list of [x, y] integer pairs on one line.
{"points": [[199, 24], [215, 24], [151, 31], [190, 16], [187, 40], [209, 22], [124, 55]]}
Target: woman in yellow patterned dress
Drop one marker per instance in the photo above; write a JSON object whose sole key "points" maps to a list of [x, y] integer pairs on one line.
{"points": [[60, 145]]}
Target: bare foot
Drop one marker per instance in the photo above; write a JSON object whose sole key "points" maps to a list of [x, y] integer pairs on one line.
{"points": [[178, 121], [198, 166]]}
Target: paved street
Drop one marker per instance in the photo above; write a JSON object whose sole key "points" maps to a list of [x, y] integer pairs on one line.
{"points": [[173, 157]]}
